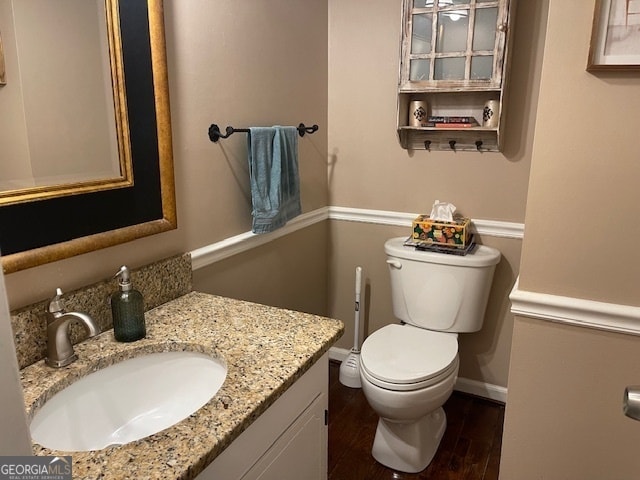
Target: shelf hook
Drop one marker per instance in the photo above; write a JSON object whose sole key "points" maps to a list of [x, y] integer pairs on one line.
{"points": [[452, 144], [479, 145], [427, 145]]}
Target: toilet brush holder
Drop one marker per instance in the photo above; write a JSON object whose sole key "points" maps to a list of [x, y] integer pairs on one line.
{"points": [[350, 370]]}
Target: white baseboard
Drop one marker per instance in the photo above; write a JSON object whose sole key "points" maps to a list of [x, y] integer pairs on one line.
{"points": [[481, 389], [464, 385]]}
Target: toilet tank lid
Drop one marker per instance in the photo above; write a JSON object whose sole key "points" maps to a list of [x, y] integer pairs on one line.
{"points": [[481, 256]]}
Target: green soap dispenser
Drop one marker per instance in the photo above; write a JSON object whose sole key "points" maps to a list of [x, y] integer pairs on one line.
{"points": [[127, 307]]}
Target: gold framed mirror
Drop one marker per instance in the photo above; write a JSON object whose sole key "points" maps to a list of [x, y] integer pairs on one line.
{"points": [[86, 216]]}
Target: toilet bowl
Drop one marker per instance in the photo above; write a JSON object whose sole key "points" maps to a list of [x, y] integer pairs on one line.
{"points": [[407, 387], [408, 370]]}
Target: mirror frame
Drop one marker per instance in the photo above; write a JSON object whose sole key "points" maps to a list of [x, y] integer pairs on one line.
{"points": [[44, 231]]}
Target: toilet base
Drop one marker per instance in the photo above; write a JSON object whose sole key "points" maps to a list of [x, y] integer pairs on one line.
{"points": [[409, 447]]}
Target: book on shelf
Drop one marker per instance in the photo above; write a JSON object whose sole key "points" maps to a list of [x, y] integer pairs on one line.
{"points": [[456, 125], [437, 119], [450, 122]]}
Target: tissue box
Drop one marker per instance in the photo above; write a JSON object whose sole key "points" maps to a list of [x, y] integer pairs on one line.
{"points": [[453, 234]]}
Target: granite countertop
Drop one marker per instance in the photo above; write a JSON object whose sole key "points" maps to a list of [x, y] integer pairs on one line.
{"points": [[266, 350]]}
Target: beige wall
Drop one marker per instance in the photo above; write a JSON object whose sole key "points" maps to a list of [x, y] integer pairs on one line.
{"points": [[369, 169], [220, 73], [584, 177], [564, 412], [290, 272], [241, 64], [230, 63], [244, 65], [564, 415]]}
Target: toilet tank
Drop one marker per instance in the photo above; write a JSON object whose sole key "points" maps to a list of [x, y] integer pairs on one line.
{"points": [[439, 291]]}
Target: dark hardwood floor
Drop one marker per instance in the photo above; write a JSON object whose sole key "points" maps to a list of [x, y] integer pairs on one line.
{"points": [[470, 448]]}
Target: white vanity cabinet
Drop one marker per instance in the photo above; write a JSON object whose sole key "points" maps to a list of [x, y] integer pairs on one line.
{"points": [[288, 441], [454, 59]]}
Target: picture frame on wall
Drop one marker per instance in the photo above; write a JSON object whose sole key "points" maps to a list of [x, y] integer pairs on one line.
{"points": [[615, 37]]}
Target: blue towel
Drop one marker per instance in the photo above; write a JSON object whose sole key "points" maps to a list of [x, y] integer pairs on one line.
{"points": [[275, 181]]}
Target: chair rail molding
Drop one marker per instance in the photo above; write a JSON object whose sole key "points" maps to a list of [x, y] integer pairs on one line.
{"points": [[209, 254], [493, 228], [577, 312]]}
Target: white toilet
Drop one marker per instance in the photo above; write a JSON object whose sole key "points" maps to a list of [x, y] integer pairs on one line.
{"points": [[408, 370]]}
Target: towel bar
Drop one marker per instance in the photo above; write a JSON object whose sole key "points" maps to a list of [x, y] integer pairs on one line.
{"points": [[215, 134]]}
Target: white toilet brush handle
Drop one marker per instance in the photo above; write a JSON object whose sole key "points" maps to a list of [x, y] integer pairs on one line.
{"points": [[356, 330]]}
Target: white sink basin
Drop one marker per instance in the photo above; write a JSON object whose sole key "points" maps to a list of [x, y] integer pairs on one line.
{"points": [[128, 401]]}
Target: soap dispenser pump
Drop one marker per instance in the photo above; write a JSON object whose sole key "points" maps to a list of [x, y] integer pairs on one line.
{"points": [[127, 307]]}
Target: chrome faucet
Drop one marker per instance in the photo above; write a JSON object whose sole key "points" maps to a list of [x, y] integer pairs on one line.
{"points": [[59, 349]]}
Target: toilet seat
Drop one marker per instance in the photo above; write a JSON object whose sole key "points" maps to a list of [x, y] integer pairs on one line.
{"points": [[403, 358]]}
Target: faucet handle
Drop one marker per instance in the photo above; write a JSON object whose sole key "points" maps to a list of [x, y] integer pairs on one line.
{"points": [[56, 304]]}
